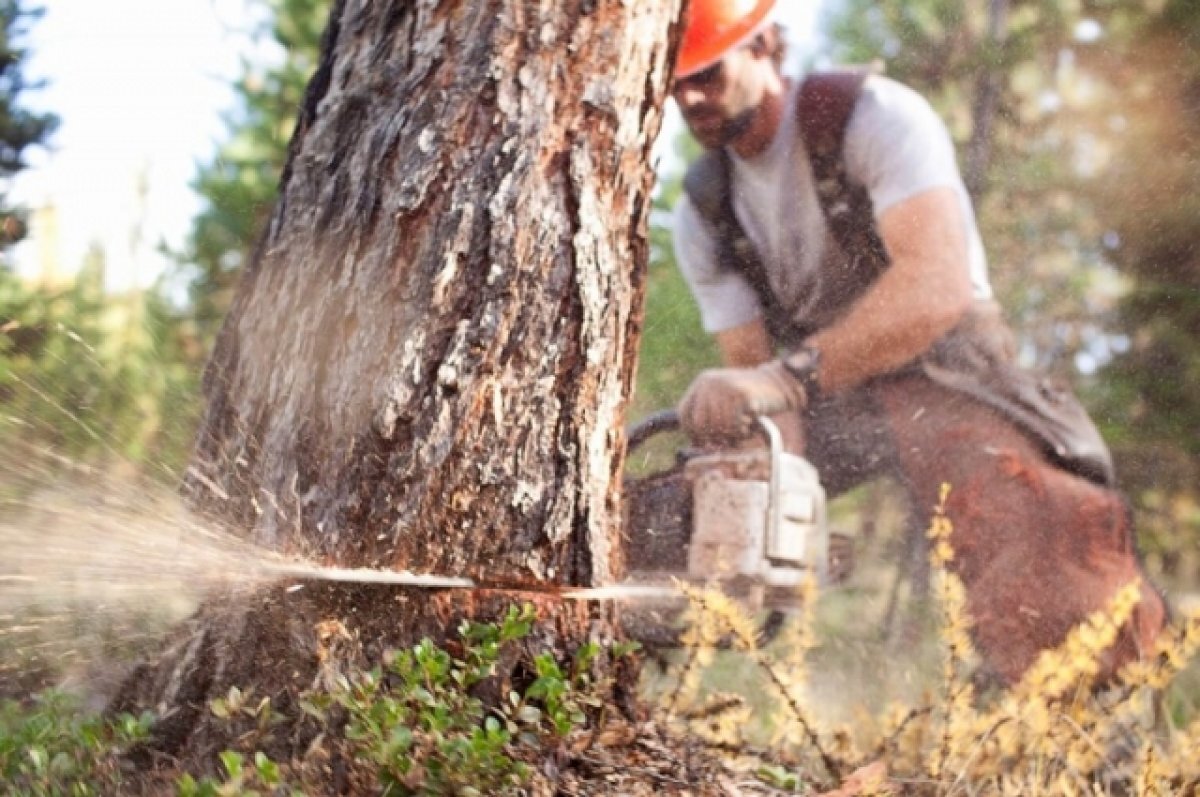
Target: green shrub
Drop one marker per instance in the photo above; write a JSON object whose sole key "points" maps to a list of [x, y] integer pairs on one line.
{"points": [[47, 747], [417, 725]]}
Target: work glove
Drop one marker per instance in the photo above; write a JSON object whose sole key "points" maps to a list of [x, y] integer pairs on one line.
{"points": [[721, 404]]}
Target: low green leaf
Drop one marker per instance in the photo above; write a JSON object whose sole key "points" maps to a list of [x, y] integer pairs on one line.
{"points": [[779, 777], [268, 770], [185, 786], [622, 649], [312, 709], [232, 762]]}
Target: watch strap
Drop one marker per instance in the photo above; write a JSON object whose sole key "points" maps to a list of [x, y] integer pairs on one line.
{"points": [[803, 365]]}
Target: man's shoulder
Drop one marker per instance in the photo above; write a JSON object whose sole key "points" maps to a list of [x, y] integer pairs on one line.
{"points": [[872, 86], [888, 114], [889, 98], [869, 102], [706, 182]]}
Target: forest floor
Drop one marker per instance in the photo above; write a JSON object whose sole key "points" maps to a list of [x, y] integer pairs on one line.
{"points": [[873, 647]]}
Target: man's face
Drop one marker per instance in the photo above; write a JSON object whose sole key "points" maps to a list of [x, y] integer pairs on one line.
{"points": [[719, 103]]}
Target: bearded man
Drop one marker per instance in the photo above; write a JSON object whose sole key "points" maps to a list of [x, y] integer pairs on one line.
{"points": [[833, 251]]}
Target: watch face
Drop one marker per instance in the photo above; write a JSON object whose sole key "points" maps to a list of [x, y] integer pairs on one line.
{"points": [[803, 359], [802, 365]]}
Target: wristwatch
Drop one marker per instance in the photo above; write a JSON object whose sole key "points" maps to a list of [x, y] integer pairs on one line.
{"points": [[803, 365]]}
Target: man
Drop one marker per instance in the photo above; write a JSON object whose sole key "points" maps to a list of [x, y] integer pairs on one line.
{"points": [[833, 251]]}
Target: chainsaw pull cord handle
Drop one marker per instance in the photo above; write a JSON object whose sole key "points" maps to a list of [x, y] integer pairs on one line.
{"points": [[774, 484]]}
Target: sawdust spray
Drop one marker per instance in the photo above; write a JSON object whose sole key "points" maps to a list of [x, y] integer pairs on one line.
{"points": [[94, 568]]}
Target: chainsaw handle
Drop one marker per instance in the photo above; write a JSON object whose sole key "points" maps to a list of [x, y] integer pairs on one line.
{"points": [[651, 425], [668, 421], [774, 482]]}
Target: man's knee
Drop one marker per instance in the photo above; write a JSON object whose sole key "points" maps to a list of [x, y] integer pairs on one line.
{"points": [[1067, 551]]}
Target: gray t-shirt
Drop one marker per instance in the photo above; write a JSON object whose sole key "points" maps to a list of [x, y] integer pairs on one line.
{"points": [[896, 147]]}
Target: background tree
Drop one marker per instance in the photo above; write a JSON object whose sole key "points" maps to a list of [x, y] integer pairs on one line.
{"points": [[20, 128], [1001, 74], [239, 185], [427, 360]]}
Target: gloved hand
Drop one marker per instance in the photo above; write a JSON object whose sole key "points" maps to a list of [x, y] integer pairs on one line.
{"points": [[722, 403]]}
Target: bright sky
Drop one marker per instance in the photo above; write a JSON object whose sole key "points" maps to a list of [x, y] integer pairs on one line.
{"points": [[140, 86]]}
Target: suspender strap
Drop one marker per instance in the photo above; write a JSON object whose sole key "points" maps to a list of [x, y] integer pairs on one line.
{"points": [[825, 104], [708, 184], [823, 111]]}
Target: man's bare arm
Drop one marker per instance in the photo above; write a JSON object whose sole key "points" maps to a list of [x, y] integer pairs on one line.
{"points": [[919, 298], [914, 302], [745, 346]]}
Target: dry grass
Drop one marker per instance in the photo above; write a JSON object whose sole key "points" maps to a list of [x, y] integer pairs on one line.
{"points": [[1054, 733]]}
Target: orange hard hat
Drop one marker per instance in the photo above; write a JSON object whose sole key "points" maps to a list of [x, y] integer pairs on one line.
{"points": [[714, 27]]}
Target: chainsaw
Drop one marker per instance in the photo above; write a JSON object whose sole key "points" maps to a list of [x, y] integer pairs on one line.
{"points": [[750, 522]]}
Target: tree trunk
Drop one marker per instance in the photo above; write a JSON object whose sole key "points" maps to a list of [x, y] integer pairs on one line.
{"points": [[989, 87], [427, 361]]}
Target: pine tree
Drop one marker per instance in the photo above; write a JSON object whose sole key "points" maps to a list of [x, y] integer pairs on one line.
{"points": [[240, 184], [20, 128], [427, 362]]}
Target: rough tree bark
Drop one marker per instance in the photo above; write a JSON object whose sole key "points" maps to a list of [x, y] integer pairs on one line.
{"points": [[426, 363]]}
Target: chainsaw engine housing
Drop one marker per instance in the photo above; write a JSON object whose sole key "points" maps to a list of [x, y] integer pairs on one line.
{"points": [[750, 521]]}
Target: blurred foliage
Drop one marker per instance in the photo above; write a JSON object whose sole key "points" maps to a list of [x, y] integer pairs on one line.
{"points": [[674, 346], [19, 127], [240, 185], [86, 375], [49, 747], [1147, 201], [83, 374], [92, 376]]}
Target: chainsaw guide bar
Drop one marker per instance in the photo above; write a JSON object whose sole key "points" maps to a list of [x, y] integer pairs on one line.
{"points": [[365, 575], [751, 522]]}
